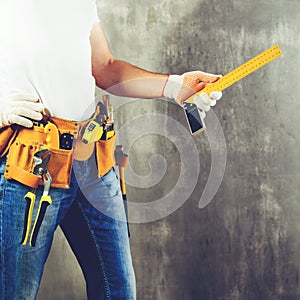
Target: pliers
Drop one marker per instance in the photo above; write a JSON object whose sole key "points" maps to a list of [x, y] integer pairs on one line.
{"points": [[40, 162], [45, 201]]}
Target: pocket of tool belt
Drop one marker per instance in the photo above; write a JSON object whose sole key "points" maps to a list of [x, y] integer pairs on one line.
{"points": [[19, 164], [105, 155], [7, 135]]}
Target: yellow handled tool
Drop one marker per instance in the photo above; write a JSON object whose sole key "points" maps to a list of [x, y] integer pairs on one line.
{"points": [[241, 72], [45, 201], [30, 200], [40, 158], [93, 132], [40, 161]]}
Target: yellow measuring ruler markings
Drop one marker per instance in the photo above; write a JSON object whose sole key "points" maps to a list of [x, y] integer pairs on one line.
{"points": [[241, 71]]}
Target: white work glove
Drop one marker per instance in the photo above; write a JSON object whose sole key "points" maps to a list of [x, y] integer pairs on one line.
{"points": [[19, 109], [181, 87]]}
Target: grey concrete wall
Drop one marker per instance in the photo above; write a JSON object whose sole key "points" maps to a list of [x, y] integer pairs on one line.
{"points": [[245, 244]]}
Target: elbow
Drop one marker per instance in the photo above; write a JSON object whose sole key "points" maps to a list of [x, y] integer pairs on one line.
{"points": [[101, 72]]}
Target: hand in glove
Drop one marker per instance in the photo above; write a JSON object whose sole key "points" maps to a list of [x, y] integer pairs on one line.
{"points": [[205, 101], [181, 87], [19, 109]]}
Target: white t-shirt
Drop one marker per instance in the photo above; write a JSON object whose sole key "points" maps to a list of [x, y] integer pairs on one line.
{"points": [[45, 51]]}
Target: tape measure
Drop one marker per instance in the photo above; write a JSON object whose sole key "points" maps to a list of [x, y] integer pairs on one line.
{"points": [[241, 71]]}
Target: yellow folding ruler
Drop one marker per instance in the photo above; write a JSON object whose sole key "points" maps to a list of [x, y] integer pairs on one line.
{"points": [[229, 79]]}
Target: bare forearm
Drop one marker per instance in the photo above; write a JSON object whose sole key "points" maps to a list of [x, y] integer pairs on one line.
{"points": [[123, 79]]}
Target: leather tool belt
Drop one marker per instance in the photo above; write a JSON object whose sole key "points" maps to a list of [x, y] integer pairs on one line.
{"points": [[20, 144]]}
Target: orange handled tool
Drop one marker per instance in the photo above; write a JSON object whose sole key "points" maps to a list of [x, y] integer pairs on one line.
{"points": [[52, 139], [122, 163]]}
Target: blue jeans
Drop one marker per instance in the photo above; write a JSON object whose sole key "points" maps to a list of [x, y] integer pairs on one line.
{"points": [[92, 217]]}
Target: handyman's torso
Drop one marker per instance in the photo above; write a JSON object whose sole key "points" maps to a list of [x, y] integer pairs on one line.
{"points": [[45, 51]]}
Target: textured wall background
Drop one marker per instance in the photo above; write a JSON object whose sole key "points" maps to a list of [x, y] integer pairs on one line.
{"points": [[245, 244]]}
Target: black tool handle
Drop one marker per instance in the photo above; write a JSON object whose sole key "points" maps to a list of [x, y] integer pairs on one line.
{"points": [[30, 199], [26, 221], [38, 222]]}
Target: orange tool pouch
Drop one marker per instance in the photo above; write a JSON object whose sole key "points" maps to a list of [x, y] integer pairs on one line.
{"points": [[23, 143], [105, 155]]}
